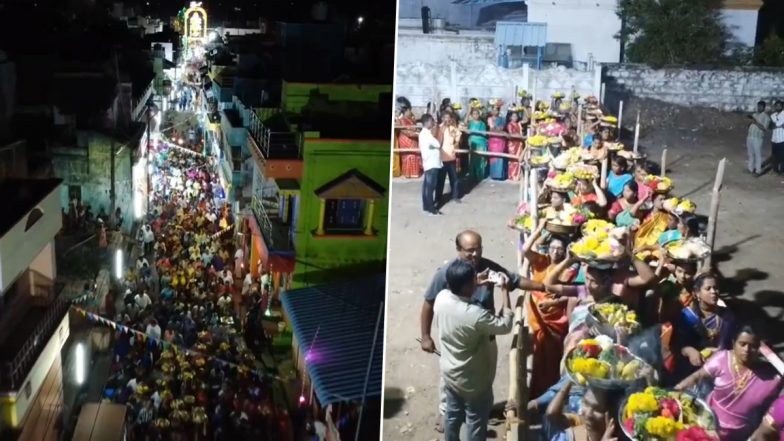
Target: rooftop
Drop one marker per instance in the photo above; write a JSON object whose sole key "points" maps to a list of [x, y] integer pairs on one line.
{"points": [[337, 334], [20, 196]]}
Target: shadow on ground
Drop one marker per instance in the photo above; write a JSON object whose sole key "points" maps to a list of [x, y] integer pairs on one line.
{"points": [[394, 398]]}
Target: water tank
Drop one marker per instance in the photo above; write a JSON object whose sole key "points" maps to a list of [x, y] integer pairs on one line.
{"points": [[320, 11]]}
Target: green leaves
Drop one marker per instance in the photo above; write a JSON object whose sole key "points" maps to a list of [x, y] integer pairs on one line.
{"points": [[673, 32]]}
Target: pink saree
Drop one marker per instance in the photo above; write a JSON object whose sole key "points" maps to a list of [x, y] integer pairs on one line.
{"points": [[739, 410]]}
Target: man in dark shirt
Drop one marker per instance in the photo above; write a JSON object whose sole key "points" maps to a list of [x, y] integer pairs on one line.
{"points": [[469, 248]]}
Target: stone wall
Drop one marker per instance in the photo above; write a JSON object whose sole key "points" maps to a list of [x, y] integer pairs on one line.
{"points": [[425, 82], [90, 169], [729, 90]]}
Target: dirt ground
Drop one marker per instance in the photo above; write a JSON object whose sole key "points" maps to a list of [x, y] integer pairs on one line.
{"points": [[749, 247]]}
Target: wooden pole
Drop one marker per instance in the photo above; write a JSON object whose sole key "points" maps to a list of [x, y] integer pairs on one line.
{"points": [[521, 370], [533, 97], [637, 133], [664, 163], [603, 181], [714, 208], [620, 117]]}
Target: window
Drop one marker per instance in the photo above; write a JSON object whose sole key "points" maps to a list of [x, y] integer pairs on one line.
{"points": [[344, 215]]}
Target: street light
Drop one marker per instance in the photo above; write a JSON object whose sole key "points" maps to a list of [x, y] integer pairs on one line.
{"points": [[81, 363], [118, 264], [360, 20]]}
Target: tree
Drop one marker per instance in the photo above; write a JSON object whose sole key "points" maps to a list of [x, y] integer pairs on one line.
{"points": [[673, 32], [771, 52]]}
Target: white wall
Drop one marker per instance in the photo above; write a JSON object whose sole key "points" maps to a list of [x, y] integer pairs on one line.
{"points": [[38, 373], [742, 23], [19, 247], [470, 46], [44, 263], [589, 26]]}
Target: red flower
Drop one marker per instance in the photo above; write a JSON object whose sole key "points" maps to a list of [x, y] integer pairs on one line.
{"points": [[629, 424], [694, 433], [592, 350]]}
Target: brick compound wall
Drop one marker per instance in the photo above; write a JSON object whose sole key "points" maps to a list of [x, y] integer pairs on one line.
{"points": [[729, 90]]}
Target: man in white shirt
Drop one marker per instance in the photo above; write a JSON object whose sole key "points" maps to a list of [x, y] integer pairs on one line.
{"points": [[758, 128], [226, 276], [153, 329], [430, 148], [142, 301], [468, 351], [777, 139]]}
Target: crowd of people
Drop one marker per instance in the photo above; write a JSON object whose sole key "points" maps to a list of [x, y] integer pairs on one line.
{"points": [[187, 360], [432, 143], [685, 331]]}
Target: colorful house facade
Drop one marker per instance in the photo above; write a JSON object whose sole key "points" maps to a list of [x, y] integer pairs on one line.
{"points": [[342, 225], [302, 164]]}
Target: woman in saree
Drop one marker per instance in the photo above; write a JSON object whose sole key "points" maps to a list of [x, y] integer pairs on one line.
{"points": [[547, 315], [743, 386], [411, 163], [639, 174], [626, 210], [591, 422], [588, 191], [772, 426], [477, 142], [497, 144], [598, 151], [515, 146], [559, 205], [703, 326], [618, 176], [651, 228]]}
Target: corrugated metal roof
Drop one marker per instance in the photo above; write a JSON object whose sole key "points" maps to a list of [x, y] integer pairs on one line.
{"points": [[526, 34], [344, 316]]}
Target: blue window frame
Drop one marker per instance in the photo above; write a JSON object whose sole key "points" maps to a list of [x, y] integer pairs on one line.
{"points": [[344, 215]]}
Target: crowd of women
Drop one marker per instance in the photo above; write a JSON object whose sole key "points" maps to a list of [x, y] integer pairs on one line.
{"points": [[687, 333], [182, 364]]}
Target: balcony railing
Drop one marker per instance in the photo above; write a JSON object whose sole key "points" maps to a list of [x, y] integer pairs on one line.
{"points": [[14, 370], [275, 145], [262, 219], [277, 234]]}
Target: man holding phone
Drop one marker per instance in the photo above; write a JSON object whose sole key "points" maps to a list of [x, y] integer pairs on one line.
{"points": [[469, 249], [758, 128]]}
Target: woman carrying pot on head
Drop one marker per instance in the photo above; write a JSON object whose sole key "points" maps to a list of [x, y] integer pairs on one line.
{"points": [[743, 386], [652, 226], [588, 191], [548, 315], [592, 422]]}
